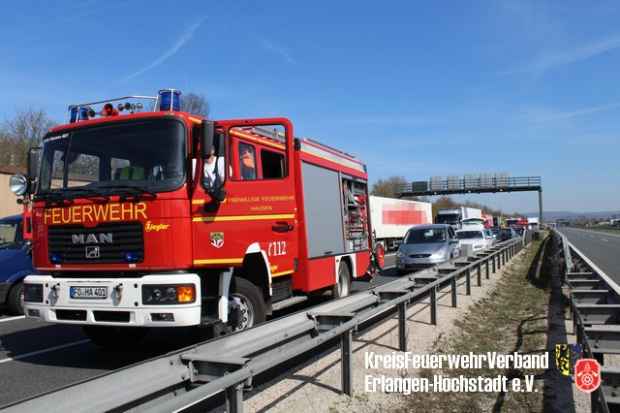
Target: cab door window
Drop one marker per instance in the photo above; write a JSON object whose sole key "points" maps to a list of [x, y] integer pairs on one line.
{"points": [[272, 164], [247, 161]]}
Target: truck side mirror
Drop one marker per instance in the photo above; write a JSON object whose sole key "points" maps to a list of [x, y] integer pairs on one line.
{"points": [[34, 159], [207, 138]]}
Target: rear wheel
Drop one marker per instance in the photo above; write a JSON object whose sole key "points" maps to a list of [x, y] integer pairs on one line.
{"points": [[115, 338], [247, 306], [342, 288], [15, 299]]}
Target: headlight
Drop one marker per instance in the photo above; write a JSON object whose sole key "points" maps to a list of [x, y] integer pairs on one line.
{"points": [[168, 294], [439, 254], [33, 293], [18, 184]]}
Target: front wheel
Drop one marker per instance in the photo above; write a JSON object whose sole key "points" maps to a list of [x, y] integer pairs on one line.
{"points": [[115, 338], [15, 300], [247, 306]]}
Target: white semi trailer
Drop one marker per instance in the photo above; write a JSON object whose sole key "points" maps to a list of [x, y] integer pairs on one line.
{"points": [[391, 218]]}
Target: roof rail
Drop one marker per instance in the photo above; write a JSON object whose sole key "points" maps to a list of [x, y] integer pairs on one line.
{"points": [[80, 105], [330, 147]]}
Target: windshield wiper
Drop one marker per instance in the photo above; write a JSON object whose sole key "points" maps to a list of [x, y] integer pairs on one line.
{"points": [[128, 190], [52, 198], [81, 192]]}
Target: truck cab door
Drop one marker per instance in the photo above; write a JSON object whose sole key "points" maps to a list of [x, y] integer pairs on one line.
{"points": [[260, 200]]}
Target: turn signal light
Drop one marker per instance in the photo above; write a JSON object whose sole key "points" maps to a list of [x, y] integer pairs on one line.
{"points": [[186, 294]]}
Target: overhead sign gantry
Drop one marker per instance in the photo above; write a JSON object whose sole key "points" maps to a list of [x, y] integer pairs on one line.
{"points": [[475, 184]]}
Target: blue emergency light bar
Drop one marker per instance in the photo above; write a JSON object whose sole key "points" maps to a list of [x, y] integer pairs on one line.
{"points": [[167, 100]]}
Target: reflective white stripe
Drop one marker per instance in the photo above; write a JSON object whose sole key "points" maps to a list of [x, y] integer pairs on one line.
{"points": [[19, 317], [45, 350]]}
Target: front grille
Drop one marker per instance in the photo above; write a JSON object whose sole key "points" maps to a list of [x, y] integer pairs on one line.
{"points": [[420, 255], [112, 316], [78, 244], [73, 315]]}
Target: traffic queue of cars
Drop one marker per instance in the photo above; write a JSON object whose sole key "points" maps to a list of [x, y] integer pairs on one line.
{"points": [[427, 245]]}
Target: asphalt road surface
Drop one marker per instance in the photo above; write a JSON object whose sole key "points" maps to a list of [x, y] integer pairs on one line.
{"points": [[600, 247], [36, 357]]}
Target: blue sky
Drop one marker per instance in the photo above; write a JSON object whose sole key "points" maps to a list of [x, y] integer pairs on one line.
{"points": [[416, 89]]}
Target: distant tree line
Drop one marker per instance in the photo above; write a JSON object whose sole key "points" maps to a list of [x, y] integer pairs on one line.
{"points": [[17, 135], [390, 188]]}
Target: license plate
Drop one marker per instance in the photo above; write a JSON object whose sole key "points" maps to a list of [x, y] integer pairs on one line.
{"points": [[89, 292]]}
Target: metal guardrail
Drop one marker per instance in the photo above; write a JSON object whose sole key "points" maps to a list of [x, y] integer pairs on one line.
{"points": [[181, 379], [595, 308]]}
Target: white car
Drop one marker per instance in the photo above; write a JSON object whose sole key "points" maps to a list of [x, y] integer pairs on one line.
{"points": [[491, 238], [474, 237]]}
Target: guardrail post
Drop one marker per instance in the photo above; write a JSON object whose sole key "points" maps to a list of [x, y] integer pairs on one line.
{"points": [[234, 399], [494, 264], [479, 275], [346, 361], [402, 326], [434, 305], [499, 261], [486, 269], [468, 282], [453, 291]]}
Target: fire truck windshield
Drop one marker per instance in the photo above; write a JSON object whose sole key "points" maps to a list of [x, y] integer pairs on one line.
{"points": [[148, 155]]}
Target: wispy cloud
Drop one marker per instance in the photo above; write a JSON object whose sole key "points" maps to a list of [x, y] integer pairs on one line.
{"points": [[185, 37], [554, 59], [539, 115], [277, 49]]}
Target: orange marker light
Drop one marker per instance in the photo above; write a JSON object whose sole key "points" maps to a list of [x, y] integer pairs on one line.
{"points": [[186, 294]]}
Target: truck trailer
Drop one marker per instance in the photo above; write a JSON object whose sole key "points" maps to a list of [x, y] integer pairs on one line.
{"points": [[167, 219], [391, 218]]}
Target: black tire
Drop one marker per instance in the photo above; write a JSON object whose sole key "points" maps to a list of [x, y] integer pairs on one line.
{"points": [[247, 305], [115, 338], [342, 288], [15, 300]]}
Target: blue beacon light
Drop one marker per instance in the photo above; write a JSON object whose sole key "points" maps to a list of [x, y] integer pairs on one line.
{"points": [[169, 100]]}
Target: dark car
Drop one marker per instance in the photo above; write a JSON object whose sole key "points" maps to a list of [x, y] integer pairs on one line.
{"points": [[507, 233], [15, 263]]}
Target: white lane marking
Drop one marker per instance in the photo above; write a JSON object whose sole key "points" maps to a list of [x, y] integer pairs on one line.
{"points": [[45, 350], [18, 317], [604, 240], [594, 231], [596, 269]]}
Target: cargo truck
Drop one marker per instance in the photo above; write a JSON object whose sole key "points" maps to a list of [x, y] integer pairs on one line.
{"points": [[167, 219], [391, 218], [455, 216]]}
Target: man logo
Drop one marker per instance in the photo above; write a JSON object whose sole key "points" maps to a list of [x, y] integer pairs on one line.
{"points": [[84, 239], [93, 252]]}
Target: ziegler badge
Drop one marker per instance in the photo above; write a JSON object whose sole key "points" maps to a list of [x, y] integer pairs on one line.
{"points": [[217, 239]]}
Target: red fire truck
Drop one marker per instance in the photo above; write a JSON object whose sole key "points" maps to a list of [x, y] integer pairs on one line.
{"points": [[164, 219]]}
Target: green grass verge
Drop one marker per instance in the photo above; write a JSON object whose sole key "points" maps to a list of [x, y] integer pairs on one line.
{"points": [[512, 317]]}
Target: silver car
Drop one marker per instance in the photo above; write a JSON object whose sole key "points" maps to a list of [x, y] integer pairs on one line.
{"points": [[427, 245]]}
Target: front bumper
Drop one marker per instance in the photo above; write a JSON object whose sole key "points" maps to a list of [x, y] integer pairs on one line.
{"points": [[411, 263], [120, 308]]}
